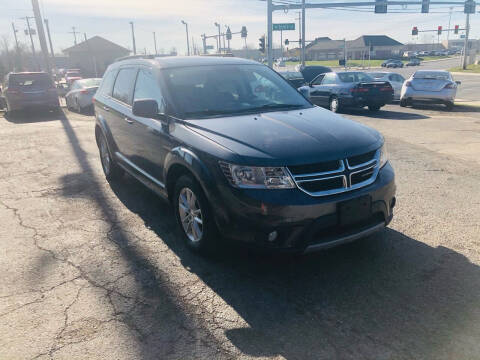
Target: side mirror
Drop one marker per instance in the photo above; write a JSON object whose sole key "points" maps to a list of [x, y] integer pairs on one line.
{"points": [[305, 92], [458, 82], [147, 108]]}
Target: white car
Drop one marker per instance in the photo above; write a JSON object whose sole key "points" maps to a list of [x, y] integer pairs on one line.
{"points": [[430, 86], [81, 93], [395, 80]]}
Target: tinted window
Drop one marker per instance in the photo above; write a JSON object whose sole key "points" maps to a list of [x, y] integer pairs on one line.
{"points": [[202, 91], [318, 80], [107, 83], [123, 88], [147, 87], [351, 77], [329, 79], [31, 81]]}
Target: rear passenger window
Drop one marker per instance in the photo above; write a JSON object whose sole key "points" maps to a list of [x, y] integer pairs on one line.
{"points": [[107, 83], [147, 87], [123, 88]]}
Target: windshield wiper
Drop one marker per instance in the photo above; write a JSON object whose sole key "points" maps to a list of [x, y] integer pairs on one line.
{"points": [[207, 113]]}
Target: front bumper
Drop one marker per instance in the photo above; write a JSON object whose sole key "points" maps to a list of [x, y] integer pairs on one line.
{"points": [[303, 223], [433, 96]]}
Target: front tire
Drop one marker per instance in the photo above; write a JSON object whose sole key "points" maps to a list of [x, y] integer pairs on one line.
{"points": [[334, 104], [449, 105], [194, 215], [403, 102], [374, 108]]}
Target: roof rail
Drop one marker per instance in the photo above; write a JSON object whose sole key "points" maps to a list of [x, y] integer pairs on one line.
{"points": [[136, 57]]}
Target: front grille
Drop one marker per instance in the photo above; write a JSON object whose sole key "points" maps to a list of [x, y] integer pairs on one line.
{"points": [[333, 177]]}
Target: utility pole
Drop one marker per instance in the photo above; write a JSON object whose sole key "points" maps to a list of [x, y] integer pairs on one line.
{"points": [[84, 36], [303, 32], [15, 36], [448, 33], [204, 41], [188, 41], [299, 28], [219, 43], [465, 47], [49, 38], [269, 33], [74, 35], [155, 43], [345, 54], [133, 39], [29, 29], [41, 35]]}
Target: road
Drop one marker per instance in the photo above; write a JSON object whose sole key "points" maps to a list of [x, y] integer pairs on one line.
{"points": [[96, 271]]}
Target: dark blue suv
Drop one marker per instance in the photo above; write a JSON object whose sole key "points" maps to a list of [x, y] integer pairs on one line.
{"points": [[241, 154]]}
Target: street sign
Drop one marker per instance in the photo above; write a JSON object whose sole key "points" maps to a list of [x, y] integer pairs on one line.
{"points": [[284, 27], [209, 47], [462, 36]]}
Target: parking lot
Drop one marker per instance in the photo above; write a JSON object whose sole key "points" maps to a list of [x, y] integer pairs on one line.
{"points": [[93, 270]]}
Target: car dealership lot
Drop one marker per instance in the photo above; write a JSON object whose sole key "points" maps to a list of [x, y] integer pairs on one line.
{"points": [[91, 270]]}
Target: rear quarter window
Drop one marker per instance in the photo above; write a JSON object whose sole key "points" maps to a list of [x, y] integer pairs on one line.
{"points": [[107, 83], [124, 83]]}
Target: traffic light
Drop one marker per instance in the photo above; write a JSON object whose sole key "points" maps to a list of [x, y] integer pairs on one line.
{"points": [[261, 44], [380, 6], [425, 6], [469, 7], [439, 31], [287, 42], [229, 34], [456, 29], [414, 31], [243, 32]]}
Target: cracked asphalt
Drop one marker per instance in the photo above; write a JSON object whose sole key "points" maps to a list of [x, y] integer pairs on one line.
{"points": [[96, 271]]}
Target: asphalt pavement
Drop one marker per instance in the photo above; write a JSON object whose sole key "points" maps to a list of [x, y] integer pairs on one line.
{"points": [[92, 270]]}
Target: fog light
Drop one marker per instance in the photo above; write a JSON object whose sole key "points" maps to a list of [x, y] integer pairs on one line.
{"points": [[272, 236]]}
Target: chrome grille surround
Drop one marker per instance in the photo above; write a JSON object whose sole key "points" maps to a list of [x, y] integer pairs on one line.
{"points": [[370, 168]]}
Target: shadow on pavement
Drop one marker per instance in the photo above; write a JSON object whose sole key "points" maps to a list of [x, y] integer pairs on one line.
{"points": [[459, 107], [34, 116], [388, 114], [385, 297]]}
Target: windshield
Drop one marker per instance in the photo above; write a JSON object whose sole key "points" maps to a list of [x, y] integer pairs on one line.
{"points": [[352, 77], [377, 75], [206, 91], [432, 75]]}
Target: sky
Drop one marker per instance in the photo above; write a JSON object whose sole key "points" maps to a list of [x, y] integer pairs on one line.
{"points": [[110, 19]]}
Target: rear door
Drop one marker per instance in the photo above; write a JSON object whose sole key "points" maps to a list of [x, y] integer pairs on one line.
{"points": [[120, 110]]}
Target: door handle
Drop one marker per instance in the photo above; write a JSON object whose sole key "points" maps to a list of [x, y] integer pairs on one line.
{"points": [[128, 120], [106, 108]]}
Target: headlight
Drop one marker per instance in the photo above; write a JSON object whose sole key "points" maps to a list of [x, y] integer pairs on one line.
{"points": [[383, 155], [252, 177]]}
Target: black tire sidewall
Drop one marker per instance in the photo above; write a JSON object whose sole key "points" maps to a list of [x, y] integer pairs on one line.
{"points": [[209, 234], [115, 171]]}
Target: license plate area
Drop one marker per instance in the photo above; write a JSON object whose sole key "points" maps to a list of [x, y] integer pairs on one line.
{"points": [[354, 211]]}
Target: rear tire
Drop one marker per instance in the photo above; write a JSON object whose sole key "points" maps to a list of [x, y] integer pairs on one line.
{"points": [[449, 105], [403, 102], [112, 171], [194, 215], [374, 108], [334, 104]]}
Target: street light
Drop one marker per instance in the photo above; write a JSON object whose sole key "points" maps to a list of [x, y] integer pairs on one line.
{"points": [[188, 43], [219, 36]]}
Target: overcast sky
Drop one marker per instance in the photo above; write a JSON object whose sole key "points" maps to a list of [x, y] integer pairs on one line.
{"points": [[110, 19]]}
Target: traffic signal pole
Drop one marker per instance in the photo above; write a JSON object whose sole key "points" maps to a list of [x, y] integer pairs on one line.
{"points": [[269, 33], [303, 32], [465, 47]]}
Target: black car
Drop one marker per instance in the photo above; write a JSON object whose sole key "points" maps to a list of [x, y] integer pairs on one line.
{"points": [[293, 77], [384, 64], [239, 152], [413, 62], [348, 89], [311, 72], [394, 64]]}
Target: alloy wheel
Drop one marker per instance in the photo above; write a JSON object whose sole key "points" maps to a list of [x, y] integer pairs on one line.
{"points": [[190, 214]]}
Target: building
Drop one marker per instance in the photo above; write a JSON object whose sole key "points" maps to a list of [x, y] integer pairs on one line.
{"points": [[324, 48], [380, 47], [94, 55], [458, 44], [424, 47]]}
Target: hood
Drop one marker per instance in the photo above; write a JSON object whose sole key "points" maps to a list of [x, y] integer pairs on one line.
{"points": [[289, 137]]}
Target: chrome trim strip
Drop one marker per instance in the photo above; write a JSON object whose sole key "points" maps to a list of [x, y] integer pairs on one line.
{"points": [[345, 239], [141, 171], [374, 174], [376, 157], [320, 179], [340, 169]]}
